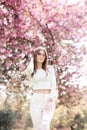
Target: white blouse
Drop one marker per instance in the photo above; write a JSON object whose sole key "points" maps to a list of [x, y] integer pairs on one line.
{"points": [[42, 79]]}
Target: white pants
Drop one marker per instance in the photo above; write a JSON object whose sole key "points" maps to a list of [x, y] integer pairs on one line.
{"points": [[41, 116]]}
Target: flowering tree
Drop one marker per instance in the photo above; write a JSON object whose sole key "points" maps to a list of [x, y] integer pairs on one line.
{"points": [[61, 28]]}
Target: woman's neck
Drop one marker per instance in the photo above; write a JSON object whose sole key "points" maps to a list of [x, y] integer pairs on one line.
{"points": [[39, 66]]}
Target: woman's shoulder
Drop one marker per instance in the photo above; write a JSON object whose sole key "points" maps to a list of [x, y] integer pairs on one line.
{"points": [[50, 67]]}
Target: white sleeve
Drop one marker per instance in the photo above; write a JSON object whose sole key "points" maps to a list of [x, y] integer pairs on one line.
{"points": [[54, 92], [27, 73], [29, 70]]}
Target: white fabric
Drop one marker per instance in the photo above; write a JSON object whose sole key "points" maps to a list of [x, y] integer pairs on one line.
{"points": [[41, 79], [39, 102], [41, 116]]}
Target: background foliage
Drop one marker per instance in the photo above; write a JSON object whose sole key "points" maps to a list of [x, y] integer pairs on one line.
{"points": [[59, 26]]}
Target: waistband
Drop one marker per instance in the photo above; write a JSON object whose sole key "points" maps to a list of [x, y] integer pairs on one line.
{"points": [[43, 91]]}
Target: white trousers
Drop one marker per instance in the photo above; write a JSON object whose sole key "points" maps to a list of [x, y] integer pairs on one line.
{"points": [[41, 111]]}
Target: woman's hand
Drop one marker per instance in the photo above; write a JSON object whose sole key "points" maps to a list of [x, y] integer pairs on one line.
{"points": [[50, 99], [48, 106]]}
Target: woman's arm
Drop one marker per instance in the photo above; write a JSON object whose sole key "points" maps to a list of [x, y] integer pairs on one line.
{"points": [[29, 70], [26, 74], [54, 92]]}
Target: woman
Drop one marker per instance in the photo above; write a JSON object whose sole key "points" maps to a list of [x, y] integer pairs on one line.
{"points": [[42, 102]]}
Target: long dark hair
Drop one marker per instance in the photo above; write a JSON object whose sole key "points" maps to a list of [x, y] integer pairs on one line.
{"points": [[44, 64]]}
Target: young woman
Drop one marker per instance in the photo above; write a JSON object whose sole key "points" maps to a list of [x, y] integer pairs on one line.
{"points": [[42, 102]]}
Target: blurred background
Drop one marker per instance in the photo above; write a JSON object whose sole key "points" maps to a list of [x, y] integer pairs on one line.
{"points": [[61, 27]]}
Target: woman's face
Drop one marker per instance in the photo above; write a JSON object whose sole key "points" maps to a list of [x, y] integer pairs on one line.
{"points": [[40, 56]]}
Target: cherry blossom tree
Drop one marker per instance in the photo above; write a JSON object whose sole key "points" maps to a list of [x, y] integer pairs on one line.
{"points": [[60, 27]]}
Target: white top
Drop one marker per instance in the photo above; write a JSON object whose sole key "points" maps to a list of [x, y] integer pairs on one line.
{"points": [[42, 79]]}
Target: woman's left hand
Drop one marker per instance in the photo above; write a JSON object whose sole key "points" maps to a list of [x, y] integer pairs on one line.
{"points": [[50, 99]]}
